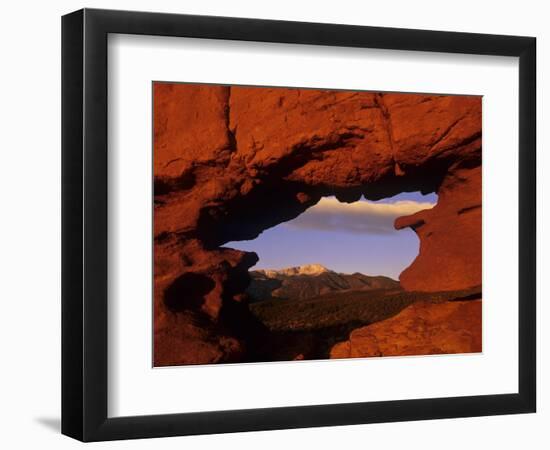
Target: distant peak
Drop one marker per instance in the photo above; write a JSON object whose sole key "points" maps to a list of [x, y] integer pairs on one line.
{"points": [[311, 269], [306, 269]]}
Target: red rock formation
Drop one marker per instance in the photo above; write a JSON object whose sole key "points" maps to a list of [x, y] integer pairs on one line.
{"points": [[420, 329], [452, 262], [230, 162]]}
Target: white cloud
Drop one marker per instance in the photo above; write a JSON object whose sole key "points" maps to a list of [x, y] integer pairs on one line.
{"points": [[359, 217]]}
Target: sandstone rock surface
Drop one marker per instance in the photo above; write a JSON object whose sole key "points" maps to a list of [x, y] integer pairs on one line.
{"points": [[230, 162], [447, 261], [420, 329]]}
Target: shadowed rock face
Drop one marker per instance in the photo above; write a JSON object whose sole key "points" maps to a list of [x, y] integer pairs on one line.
{"points": [[230, 162]]}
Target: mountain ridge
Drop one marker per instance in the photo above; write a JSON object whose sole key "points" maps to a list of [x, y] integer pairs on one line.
{"points": [[310, 280], [305, 269]]}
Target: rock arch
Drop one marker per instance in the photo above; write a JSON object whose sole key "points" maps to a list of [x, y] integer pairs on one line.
{"points": [[232, 161]]}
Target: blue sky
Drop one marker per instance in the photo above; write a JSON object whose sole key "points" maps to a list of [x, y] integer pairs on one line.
{"points": [[357, 237]]}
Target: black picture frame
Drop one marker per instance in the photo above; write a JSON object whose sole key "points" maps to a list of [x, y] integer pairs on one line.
{"points": [[84, 224]]}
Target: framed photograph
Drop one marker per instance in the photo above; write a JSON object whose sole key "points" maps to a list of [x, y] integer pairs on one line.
{"points": [[273, 224]]}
